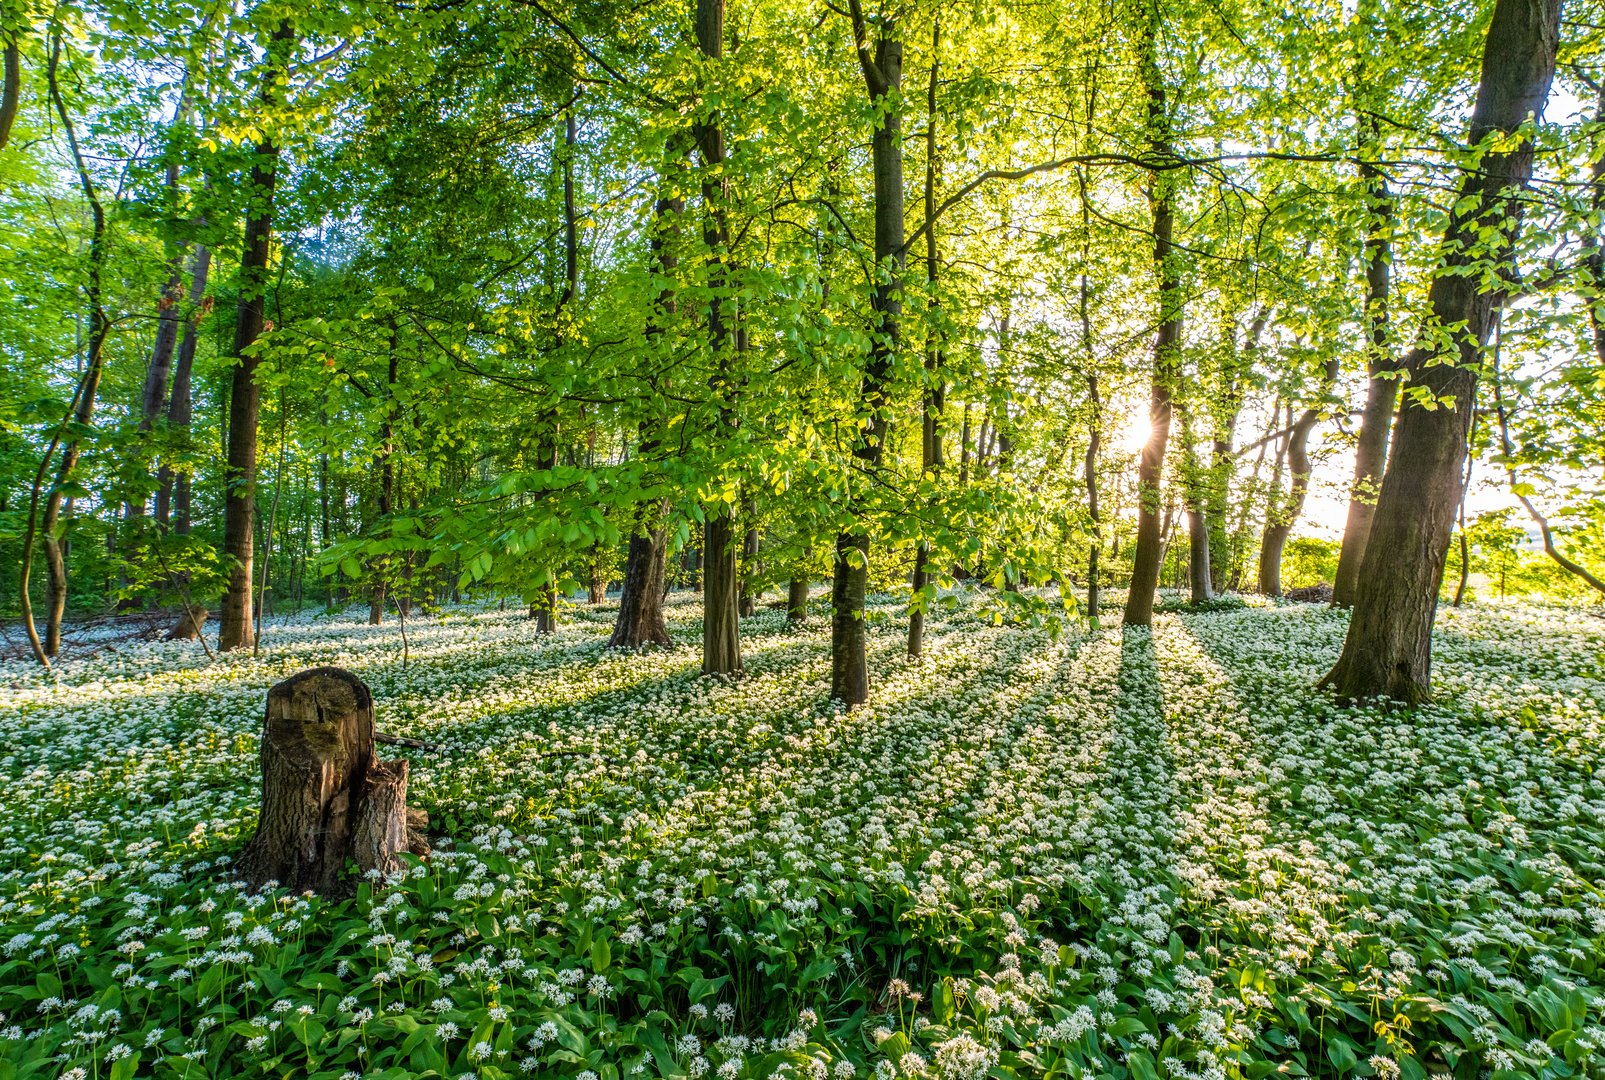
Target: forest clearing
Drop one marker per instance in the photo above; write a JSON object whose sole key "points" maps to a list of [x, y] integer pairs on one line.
{"points": [[835, 540]]}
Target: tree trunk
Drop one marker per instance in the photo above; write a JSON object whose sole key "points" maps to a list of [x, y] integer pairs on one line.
{"points": [[239, 508], [172, 491], [1388, 650], [1145, 563], [11, 90], [934, 398], [153, 396], [1381, 394], [325, 798], [747, 604], [721, 640], [190, 626], [53, 524], [1089, 471], [883, 78], [640, 621], [385, 467], [797, 598], [1239, 365], [1281, 519]]}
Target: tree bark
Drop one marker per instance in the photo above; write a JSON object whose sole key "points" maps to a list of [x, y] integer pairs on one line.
{"points": [[934, 397], [640, 620], [721, 641], [172, 491], [245, 398], [1388, 650], [385, 467], [1145, 563], [53, 525], [747, 603], [721, 632], [11, 91], [1381, 394], [883, 78], [153, 395], [325, 798], [797, 598]]}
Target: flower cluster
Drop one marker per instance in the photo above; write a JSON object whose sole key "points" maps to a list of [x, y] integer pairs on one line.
{"points": [[1140, 854]]}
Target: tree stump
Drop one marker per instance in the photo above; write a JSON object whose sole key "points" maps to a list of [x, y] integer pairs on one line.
{"points": [[325, 798], [191, 624]]}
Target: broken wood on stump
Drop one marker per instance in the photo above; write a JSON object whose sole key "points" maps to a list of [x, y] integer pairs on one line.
{"points": [[325, 798], [190, 624]]}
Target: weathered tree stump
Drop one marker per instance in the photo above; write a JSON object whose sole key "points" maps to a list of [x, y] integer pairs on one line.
{"points": [[325, 798], [191, 624]]}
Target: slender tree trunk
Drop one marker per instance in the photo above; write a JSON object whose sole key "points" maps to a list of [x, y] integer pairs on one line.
{"points": [[153, 396], [1089, 470], [264, 596], [172, 489], [883, 77], [53, 524], [1501, 414], [1195, 491], [747, 605], [934, 398], [1281, 518], [384, 465], [239, 508], [1465, 544], [1388, 650], [1239, 364], [1145, 564]]}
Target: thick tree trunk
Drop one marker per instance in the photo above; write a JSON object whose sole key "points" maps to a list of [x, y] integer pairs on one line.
{"points": [[1381, 394], [245, 398], [1198, 575], [1145, 563], [326, 800], [1388, 650], [640, 620], [11, 89], [849, 658], [721, 635], [883, 78]]}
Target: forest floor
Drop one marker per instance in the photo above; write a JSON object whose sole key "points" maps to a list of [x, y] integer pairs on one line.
{"points": [[1104, 855]]}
